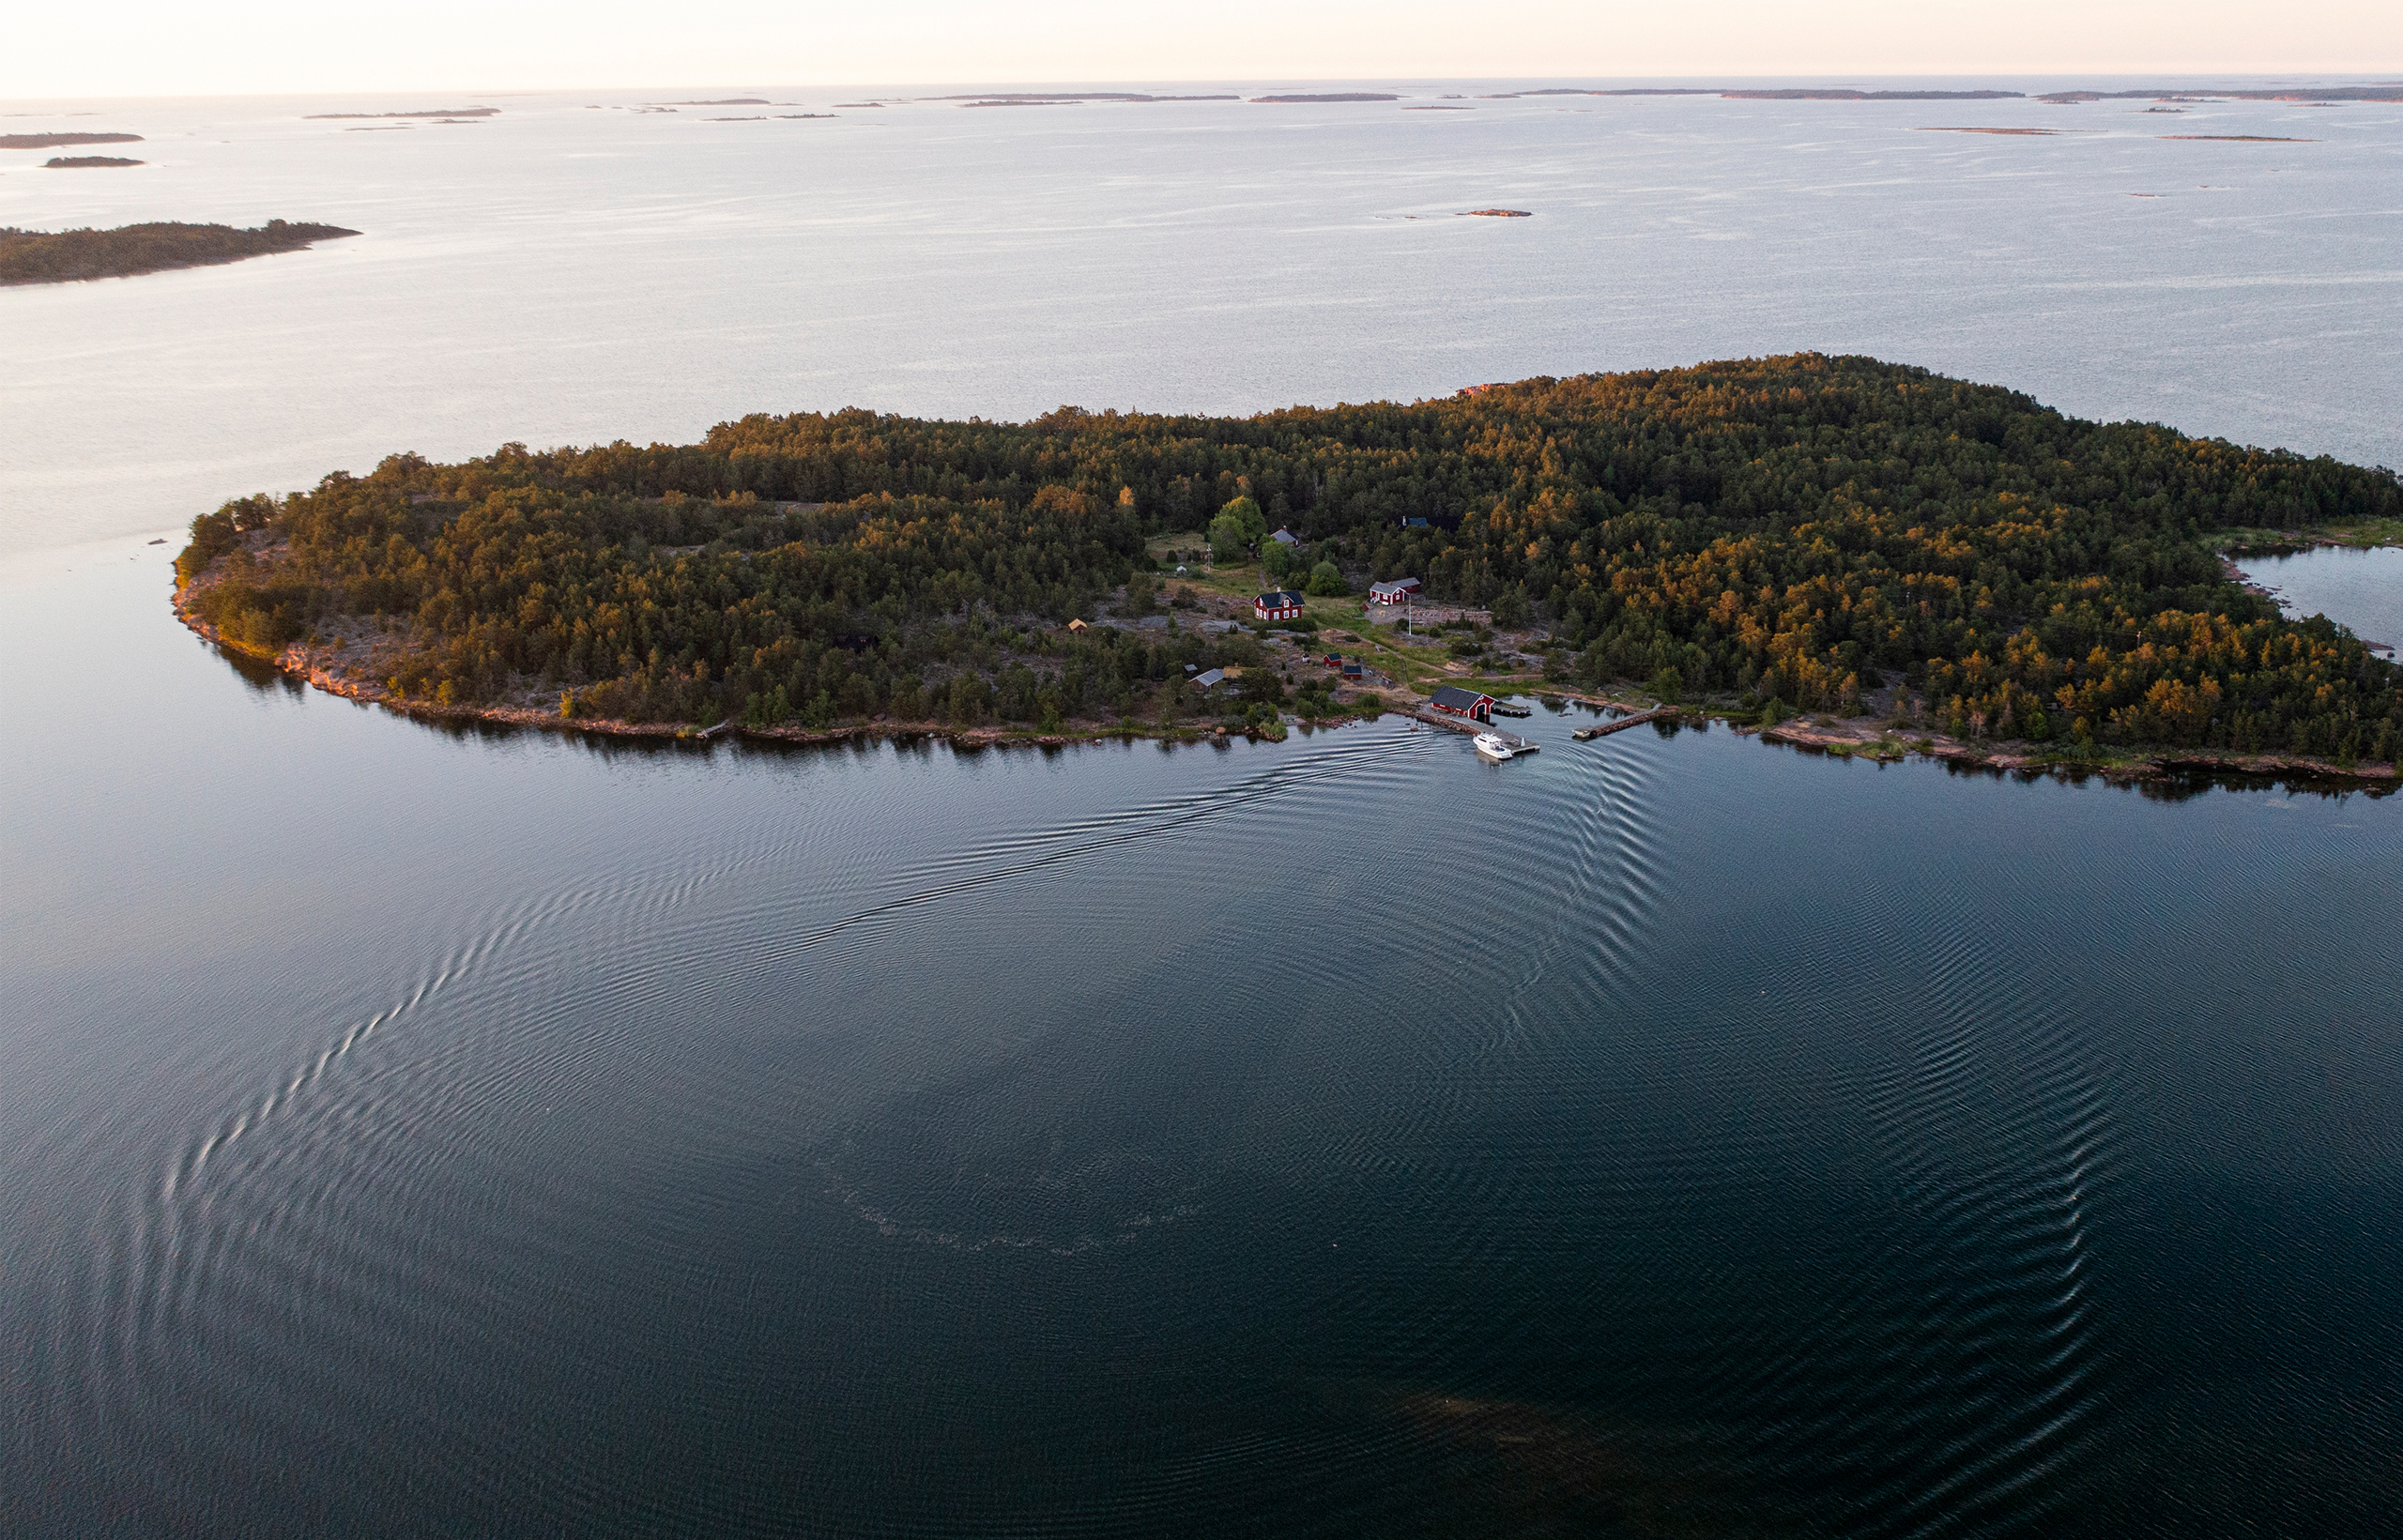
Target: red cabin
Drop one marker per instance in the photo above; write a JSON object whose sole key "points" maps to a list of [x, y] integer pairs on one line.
{"points": [[1453, 700]]}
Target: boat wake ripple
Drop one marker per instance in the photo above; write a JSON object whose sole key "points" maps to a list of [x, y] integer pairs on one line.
{"points": [[1969, 1339], [294, 1195]]}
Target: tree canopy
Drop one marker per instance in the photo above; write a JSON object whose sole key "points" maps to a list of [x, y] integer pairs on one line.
{"points": [[34, 256], [1798, 530]]}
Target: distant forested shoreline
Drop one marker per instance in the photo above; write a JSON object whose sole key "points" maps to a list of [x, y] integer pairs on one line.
{"points": [[1781, 534], [57, 141], [35, 256]]}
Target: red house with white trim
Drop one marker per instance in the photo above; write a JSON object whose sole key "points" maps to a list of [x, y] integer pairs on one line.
{"points": [[1393, 592], [1282, 605], [1453, 700]]}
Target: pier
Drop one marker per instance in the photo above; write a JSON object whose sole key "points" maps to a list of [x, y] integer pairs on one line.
{"points": [[1463, 725], [1604, 729]]}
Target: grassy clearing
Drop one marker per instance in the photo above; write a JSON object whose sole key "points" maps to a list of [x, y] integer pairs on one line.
{"points": [[1418, 662]]}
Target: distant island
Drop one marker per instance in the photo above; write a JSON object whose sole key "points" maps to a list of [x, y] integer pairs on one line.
{"points": [[1332, 96], [1860, 556], [34, 256], [60, 140], [995, 99], [434, 112], [73, 162], [1734, 93], [1812, 95], [2389, 92]]}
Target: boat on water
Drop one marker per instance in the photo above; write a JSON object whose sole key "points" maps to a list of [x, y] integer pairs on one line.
{"points": [[1498, 747]]}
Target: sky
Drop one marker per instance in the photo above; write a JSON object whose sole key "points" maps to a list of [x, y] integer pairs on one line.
{"points": [[134, 48]]}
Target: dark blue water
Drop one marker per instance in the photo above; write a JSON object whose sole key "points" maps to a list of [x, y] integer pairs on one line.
{"points": [[409, 1131]]}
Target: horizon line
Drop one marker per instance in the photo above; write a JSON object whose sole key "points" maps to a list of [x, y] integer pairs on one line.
{"points": [[2356, 77]]}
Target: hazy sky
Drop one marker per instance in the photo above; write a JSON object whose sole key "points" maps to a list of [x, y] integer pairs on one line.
{"points": [[153, 47]]}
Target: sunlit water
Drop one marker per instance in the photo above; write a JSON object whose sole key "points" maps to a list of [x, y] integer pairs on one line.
{"points": [[409, 1132], [565, 272]]}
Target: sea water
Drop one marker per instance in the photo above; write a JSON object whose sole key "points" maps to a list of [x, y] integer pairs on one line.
{"points": [[2361, 590], [415, 1130], [577, 269]]}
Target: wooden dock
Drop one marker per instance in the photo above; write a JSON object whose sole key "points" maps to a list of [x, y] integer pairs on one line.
{"points": [[1438, 719], [1604, 729], [1463, 725]]}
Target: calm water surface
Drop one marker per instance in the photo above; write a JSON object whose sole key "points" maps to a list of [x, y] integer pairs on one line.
{"points": [[2359, 589], [414, 1132], [410, 1132], [567, 271]]}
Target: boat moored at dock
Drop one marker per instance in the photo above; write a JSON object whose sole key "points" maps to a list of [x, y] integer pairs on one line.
{"points": [[1501, 746]]}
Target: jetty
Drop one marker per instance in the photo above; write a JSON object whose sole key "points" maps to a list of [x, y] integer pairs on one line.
{"points": [[1604, 729], [1472, 728]]}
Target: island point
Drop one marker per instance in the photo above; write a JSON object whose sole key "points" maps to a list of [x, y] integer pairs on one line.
{"points": [[1847, 554]]}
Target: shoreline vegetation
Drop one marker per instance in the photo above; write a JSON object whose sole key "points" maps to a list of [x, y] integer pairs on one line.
{"points": [[68, 256], [62, 141], [1840, 553]]}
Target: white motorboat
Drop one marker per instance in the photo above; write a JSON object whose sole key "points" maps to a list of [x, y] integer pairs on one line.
{"points": [[1499, 746]]}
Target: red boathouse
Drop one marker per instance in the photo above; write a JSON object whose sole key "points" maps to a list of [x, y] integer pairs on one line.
{"points": [[1453, 700]]}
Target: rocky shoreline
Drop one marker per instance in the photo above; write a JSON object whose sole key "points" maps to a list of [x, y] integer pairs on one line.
{"points": [[344, 667], [1870, 742]]}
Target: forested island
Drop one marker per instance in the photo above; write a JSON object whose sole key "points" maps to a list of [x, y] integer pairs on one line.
{"points": [[35, 256], [60, 140], [1836, 536], [429, 112]]}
